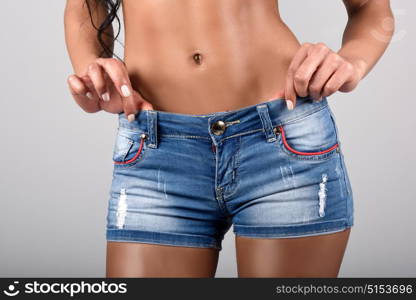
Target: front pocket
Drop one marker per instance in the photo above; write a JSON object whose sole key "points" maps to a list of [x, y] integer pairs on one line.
{"points": [[311, 137], [282, 131], [129, 147]]}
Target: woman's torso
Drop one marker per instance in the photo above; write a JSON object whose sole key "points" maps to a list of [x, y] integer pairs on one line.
{"points": [[245, 50]]}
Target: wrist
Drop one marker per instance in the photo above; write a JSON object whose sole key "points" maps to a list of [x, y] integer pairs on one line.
{"points": [[359, 64]]}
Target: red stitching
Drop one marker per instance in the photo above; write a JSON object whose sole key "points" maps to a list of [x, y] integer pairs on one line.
{"points": [[303, 153], [135, 156]]}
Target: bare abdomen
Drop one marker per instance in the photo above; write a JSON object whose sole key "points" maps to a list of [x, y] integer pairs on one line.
{"points": [[204, 56]]}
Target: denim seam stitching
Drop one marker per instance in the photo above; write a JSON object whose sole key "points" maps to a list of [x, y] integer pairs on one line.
{"points": [[335, 229], [184, 136], [125, 153], [139, 159], [237, 184], [190, 235], [335, 146], [242, 133], [294, 225], [164, 242], [341, 160], [318, 157], [182, 235], [136, 155]]}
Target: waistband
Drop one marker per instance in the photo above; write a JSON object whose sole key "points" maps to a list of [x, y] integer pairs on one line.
{"points": [[220, 125]]}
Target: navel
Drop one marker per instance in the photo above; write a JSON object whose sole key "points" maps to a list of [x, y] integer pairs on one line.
{"points": [[197, 57]]}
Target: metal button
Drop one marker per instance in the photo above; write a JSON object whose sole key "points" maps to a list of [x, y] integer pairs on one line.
{"points": [[218, 127]]}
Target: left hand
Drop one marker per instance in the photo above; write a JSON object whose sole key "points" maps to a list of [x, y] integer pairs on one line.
{"points": [[318, 71]]}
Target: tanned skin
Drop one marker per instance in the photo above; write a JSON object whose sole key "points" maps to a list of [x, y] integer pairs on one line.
{"points": [[204, 56]]}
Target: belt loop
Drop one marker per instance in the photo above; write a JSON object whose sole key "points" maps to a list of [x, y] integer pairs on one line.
{"points": [[152, 128], [263, 112]]}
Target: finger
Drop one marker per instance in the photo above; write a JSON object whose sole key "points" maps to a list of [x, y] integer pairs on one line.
{"points": [[142, 103], [334, 83], [96, 74], [115, 105], [79, 92], [92, 93], [146, 106], [290, 92], [322, 75], [118, 74], [315, 56]]}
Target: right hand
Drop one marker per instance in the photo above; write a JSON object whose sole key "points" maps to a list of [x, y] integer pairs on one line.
{"points": [[106, 86]]}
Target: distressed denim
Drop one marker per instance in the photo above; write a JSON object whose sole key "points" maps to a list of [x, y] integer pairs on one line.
{"points": [[183, 180]]}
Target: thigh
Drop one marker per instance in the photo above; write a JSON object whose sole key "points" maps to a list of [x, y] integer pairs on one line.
{"points": [[310, 256], [125, 259]]}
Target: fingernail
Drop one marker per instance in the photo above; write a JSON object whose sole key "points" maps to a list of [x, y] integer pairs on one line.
{"points": [[125, 90], [131, 117], [89, 95], [106, 96], [289, 104]]}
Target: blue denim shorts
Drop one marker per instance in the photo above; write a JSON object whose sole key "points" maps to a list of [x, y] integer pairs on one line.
{"points": [[183, 180]]}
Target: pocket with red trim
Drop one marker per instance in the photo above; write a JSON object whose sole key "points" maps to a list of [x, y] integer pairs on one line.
{"points": [[129, 147], [310, 137]]}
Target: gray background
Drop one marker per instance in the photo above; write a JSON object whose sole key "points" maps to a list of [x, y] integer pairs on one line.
{"points": [[56, 160]]}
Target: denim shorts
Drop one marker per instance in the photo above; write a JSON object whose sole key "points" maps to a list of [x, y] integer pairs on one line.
{"points": [[183, 179]]}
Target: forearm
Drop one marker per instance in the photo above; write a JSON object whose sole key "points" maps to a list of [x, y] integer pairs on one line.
{"points": [[81, 36], [367, 34]]}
